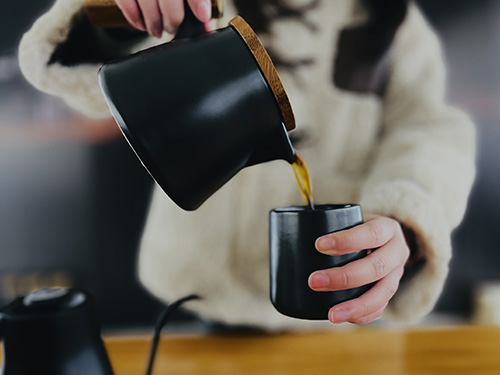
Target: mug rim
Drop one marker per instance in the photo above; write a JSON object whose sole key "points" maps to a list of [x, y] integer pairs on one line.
{"points": [[317, 208]]}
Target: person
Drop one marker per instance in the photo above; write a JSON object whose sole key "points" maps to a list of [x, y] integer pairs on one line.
{"points": [[366, 80]]}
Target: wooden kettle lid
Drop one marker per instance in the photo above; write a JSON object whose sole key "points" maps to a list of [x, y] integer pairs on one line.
{"points": [[267, 68]]}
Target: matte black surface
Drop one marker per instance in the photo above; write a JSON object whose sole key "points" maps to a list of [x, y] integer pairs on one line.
{"points": [[190, 26], [196, 111], [293, 257], [54, 332]]}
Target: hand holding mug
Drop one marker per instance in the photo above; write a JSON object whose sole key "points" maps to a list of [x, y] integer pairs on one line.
{"points": [[384, 267]]}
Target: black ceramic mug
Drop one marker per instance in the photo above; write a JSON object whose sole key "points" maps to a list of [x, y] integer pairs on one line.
{"points": [[200, 108], [52, 331], [293, 257]]}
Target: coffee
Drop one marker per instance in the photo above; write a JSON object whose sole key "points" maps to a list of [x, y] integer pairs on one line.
{"points": [[303, 180]]}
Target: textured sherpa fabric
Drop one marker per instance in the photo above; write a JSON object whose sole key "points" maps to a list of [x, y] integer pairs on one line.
{"points": [[76, 84], [406, 155]]}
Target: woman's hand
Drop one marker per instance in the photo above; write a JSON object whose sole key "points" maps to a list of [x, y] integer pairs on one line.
{"points": [[155, 16], [384, 266]]}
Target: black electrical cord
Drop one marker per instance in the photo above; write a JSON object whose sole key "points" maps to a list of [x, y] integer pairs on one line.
{"points": [[160, 323]]}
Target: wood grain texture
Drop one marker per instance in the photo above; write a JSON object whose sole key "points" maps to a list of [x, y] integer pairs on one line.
{"points": [[446, 351], [267, 68]]}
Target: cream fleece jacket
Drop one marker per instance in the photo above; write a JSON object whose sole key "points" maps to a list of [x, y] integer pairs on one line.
{"points": [[407, 155]]}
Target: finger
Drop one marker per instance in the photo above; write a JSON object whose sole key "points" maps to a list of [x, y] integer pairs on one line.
{"points": [[202, 9], [211, 25], [172, 14], [152, 17], [132, 13], [369, 318], [373, 267], [369, 304], [371, 234]]}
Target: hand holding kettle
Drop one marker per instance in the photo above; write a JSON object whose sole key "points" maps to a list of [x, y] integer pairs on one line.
{"points": [[155, 16], [188, 107]]}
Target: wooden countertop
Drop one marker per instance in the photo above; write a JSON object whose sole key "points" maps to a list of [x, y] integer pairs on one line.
{"points": [[364, 350]]}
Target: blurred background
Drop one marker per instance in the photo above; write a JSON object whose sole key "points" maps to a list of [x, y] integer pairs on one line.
{"points": [[73, 196]]}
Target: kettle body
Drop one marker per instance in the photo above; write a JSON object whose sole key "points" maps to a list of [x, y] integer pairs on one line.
{"points": [[200, 108], [52, 331]]}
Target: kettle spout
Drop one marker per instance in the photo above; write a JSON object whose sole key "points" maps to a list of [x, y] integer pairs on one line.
{"points": [[276, 146]]}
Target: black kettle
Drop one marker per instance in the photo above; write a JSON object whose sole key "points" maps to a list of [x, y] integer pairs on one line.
{"points": [[200, 108], [52, 331]]}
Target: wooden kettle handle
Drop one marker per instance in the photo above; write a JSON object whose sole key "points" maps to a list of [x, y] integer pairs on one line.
{"points": [[105, 13]]}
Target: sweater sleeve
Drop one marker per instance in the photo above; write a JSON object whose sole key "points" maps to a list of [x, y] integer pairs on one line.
{"points": [[423, 167], [62, 52]]}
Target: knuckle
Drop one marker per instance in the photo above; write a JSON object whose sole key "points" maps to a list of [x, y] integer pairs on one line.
{"points": [[379, 267], [376, 231], [346, 278]]}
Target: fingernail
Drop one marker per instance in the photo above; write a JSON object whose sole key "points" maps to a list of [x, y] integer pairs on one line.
{"points": [[204, 11], [140, 25], [318, 280], [339, 316], [169, 29], [325, 243], [154, 32]]}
